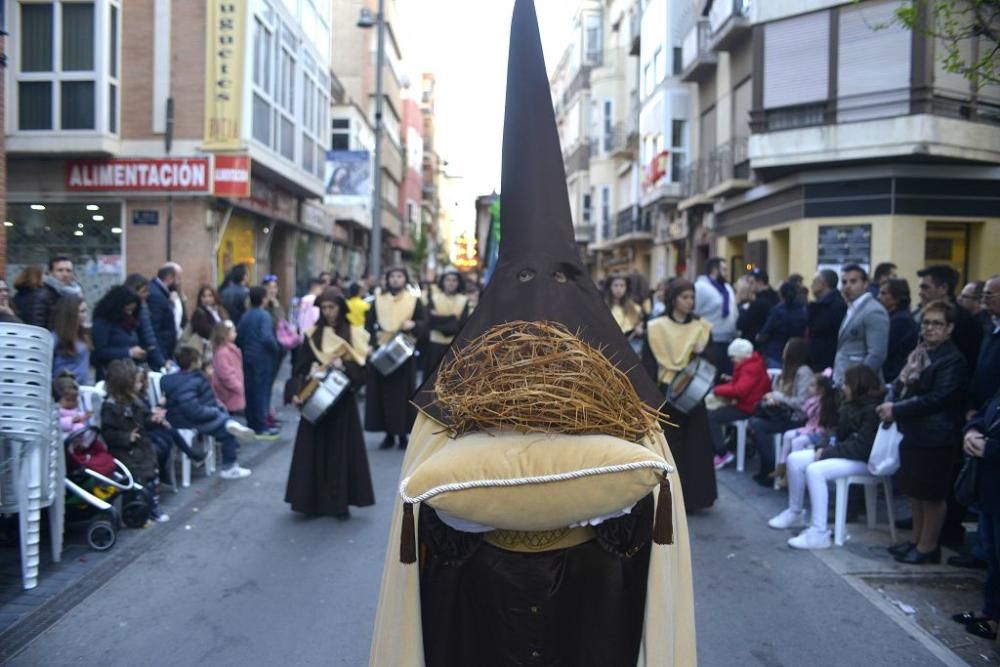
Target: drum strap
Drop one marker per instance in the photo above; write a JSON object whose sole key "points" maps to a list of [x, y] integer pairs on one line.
{"points": [[333, 346]]}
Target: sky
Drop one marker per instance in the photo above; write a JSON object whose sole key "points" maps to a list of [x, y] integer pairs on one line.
{"points": [[464, 43]]}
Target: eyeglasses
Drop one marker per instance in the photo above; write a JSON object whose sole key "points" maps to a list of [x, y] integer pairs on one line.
{"points": [[989, 295], [933, 324]]}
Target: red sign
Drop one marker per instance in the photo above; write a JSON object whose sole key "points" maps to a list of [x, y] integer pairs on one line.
{"points": [[658, 166], [231, 176], [139, 175]]}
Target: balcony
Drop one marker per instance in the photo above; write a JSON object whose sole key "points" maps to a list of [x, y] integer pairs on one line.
{"points": [[585, 233], [581, 81], [730, 23], [579, 159], [697, 59], [622, 141], [726, 170], [631, 226]]}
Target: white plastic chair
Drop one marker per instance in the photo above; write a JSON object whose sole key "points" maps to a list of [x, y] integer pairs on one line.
{"points": [[871, 484], [189, 435], [741, 443]]}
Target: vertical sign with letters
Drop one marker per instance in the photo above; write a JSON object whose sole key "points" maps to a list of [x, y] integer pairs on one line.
{"points": [[224, 64]]}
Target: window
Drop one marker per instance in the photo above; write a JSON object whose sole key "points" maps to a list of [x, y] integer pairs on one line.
{"points": [[586, 209], [605, 204], [61, 81], [608, 123], [678, 68], [647, 79], [796, 60], [678, 149], [341, 136], [592, 40], [659, 68]]}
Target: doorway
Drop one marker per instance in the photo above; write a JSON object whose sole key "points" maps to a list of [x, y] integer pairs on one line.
{"points": [[948, 243]]}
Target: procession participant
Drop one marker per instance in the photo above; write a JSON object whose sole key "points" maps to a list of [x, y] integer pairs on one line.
{"points": [[672, 341], [387, 397], [627, 313], [329, 468], [615, 593], [449, 309]]}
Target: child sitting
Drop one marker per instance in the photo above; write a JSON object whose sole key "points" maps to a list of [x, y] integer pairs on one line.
{"points": [[125, 424], [71, 416], [748, 385], [845, 453], [164, 436], [192, 404], [821, 417]]}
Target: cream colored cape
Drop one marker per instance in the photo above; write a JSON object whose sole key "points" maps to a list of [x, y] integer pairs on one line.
{"points": [[447, 304], [674, 343], [668, 636], [332, 345], [391, 311]]}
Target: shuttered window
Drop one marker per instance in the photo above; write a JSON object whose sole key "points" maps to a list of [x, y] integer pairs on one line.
{"points": [[869, 35], [796, 60]]}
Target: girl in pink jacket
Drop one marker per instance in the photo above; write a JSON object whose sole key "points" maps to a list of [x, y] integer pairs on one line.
{"points": [[227, 363]]}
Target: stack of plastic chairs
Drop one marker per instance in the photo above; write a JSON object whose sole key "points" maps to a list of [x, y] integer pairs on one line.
{"points": [[32, 464]]}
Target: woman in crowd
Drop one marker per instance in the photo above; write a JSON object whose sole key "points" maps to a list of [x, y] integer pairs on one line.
{"points": [[844, 454], [628, 313], [740, 395], [272, 304], [29, 288], [894, 294], [208, 314], [672, 341], [70, 339], [329, 470], [115, 334], [6, 312], [926, 402], [227, 366], [155, 357], [783, 408], [787, 320]]}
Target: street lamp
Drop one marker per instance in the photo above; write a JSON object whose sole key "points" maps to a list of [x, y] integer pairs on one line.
{"points": [[367, 20]]}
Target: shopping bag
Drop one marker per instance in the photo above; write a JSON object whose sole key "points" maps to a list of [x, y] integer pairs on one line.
{"points": [[884, 459]]}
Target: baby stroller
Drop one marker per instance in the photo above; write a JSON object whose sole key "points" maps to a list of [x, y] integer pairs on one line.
{"points": [[101, 490]]}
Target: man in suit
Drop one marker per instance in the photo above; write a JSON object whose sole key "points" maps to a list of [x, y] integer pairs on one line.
{"points": [[826, 313], [161, 308], [938, 283], [864, 333]]}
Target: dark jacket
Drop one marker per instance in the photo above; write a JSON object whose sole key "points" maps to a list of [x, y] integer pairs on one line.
{"points": [[191, 403], [161, 314], [752, 319], [202, 322], [856, 426], [43, 300], [27, 304], [988, 475], [234, 300], [255, 336], [929, 413], [783, 323], [825, 317], [112, 340], [968, 335], [147, 339], [986, 378], [903, 337], [118, 421]]}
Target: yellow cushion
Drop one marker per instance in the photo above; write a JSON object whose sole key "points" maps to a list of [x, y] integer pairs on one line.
{"points": [[534, 481]]}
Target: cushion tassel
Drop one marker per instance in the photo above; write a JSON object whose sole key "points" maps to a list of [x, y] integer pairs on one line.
{"points": [[663, 524], [408, 539]]}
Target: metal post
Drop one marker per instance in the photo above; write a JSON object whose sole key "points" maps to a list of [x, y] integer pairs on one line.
{"points": [[375, 263]]}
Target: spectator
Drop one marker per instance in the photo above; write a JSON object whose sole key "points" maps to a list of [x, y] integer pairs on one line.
{"points": [[986, 378], [787, 320], [826, 313], [147, 336], [752, 320], [234, 292], [255, 335], [747, 386], [227, 366], [864, 333], [927, 402], [124, 423], [71, 416], [883, 272], [60, 281], [115, 332], [894, 296], [846, 453], [207, 315], [821, 417], [162, 310], [971, 297], [308, 312], [939, 282], [30, 289], [191, 404], [272, 304], [71, 341], [628, 313], [783, 408], [715, 302], [357, 307], [6, 312]]}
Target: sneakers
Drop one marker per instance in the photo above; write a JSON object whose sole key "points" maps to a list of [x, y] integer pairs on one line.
{"points": [[811, 538], [721, 462], [162, 517], [268, 434], [789, 519], [243, 434], [234, 472]]}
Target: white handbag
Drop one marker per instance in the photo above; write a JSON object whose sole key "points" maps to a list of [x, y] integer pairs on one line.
{"points": [[884, 459]]}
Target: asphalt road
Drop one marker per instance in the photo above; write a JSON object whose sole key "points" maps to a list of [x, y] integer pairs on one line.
{"points": [[244, 581]]}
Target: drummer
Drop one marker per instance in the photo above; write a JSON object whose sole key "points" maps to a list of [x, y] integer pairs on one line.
{"points": [[329, 468], [448, 309], [627, 313], [387, 398], [673, 340]]}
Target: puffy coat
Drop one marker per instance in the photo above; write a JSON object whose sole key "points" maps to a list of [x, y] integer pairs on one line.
{"points": [[147, 338], [929, 413], [112, 340], [784, 322], [749, 384], [32, 303], [118, 421], [227, 380], [191, 403], [856, 426]]}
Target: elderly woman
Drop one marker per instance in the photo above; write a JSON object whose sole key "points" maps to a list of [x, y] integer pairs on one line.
{"points": [[926, 403]]}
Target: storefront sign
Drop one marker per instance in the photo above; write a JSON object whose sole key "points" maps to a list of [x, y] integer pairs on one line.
{"points": [[272, 202], [231, 176], [224, 48], [317, 218], [139, 175], [141, 217]]}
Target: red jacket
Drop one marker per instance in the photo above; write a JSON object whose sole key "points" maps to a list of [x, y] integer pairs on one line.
{"points": [[749, 383], [227, 380]]}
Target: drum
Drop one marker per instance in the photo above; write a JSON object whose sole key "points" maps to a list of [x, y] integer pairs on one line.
{"points": [[328, 390], [691, 385], [393, 354]]}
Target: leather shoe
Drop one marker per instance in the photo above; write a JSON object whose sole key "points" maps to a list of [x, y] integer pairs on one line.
{"points": [[969, 562], [967, 617], [904, 524], [914, 557], [901, 549], [403, 442], [981, 628], [387, 442]]}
